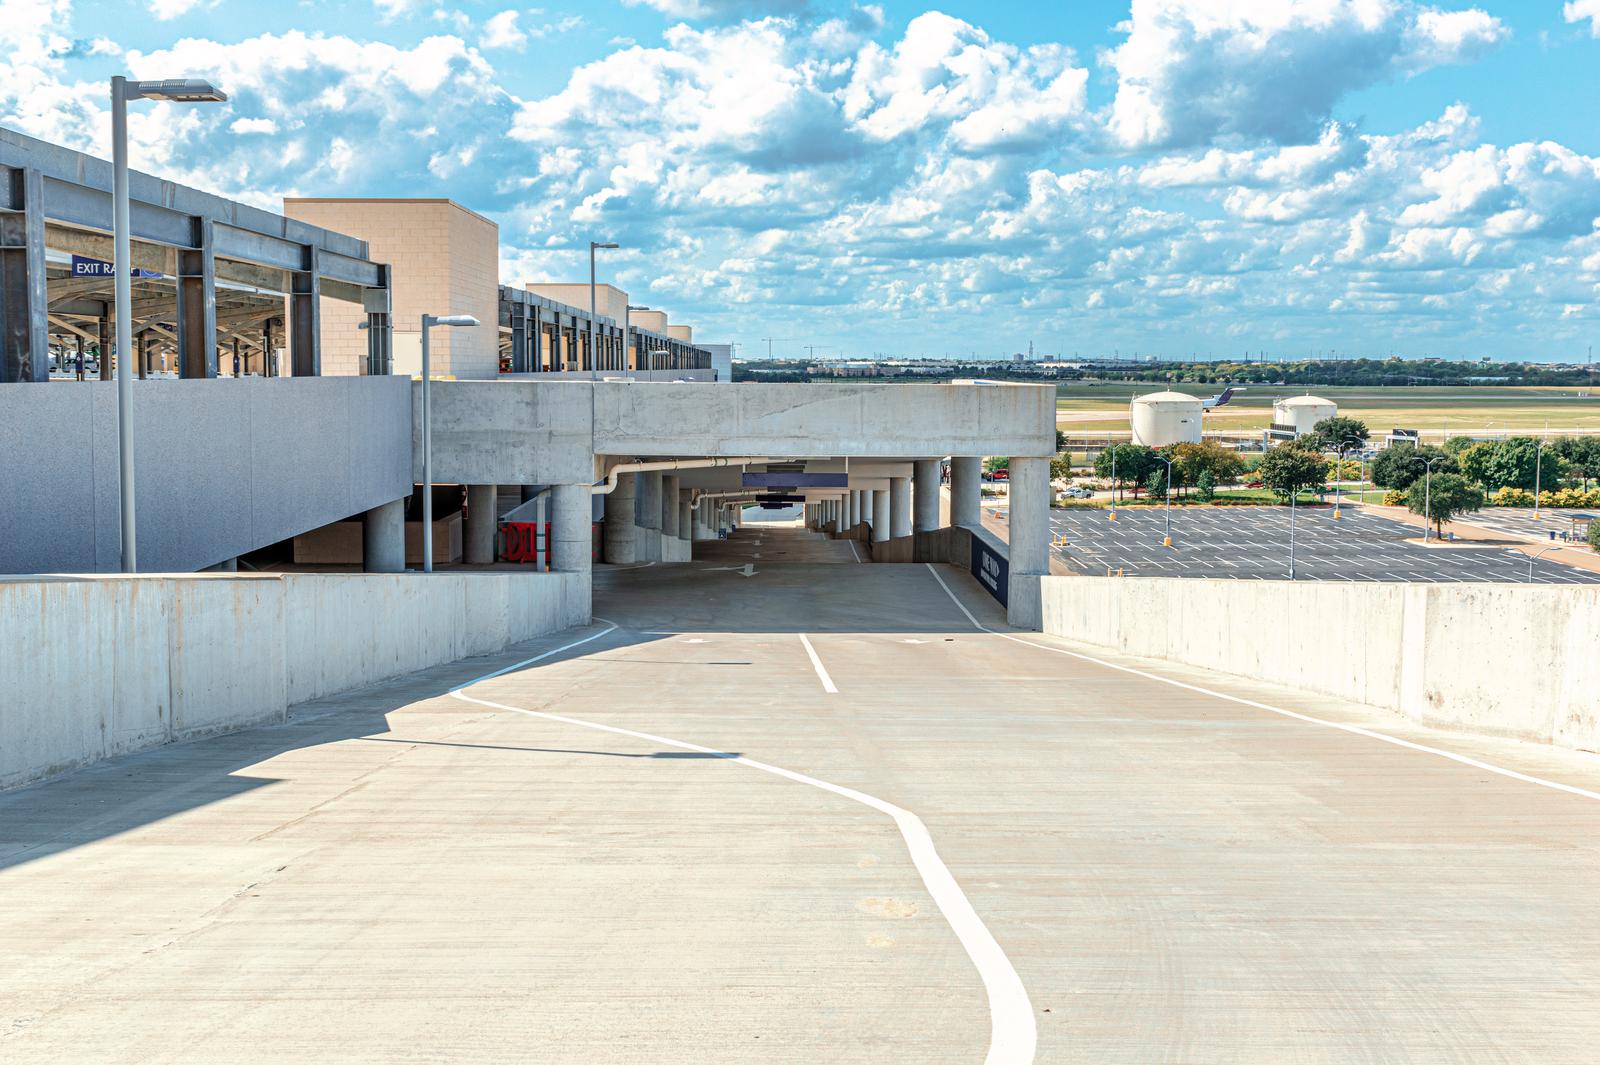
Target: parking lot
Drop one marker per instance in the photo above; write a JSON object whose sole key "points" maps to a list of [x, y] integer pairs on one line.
{"points": [[1252, 543], [1519, 521]]}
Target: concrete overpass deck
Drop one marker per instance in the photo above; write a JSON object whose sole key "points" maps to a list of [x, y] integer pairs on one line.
{"points": [[408, 873]]}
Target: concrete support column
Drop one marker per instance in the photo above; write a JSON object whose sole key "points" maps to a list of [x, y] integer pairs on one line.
{"points": [[925, 496], [868, 496], [572, 528], [966, 491], [853, 501], [685, 516], [478, 531], [669, 505], [620, 536], [899, 507], [383, 538], [880, 515], [650, 516], [1029, 528], [841, 515]]}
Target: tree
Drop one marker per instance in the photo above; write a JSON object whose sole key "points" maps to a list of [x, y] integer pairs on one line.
{"points": [[1134, 463], [1509, 463], [1457, 444], [1155, 485], [1205, 486], [990, 465], [1396, 467], [1060, 468], [1594, 534], [1061, 441], [1222, 463], [1580, 454], [1332, 433], [1440, 498], [1291, 468]]}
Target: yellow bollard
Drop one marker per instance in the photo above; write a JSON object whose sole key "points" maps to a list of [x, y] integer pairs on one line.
{"points": [[1166, 541], [1335, 512], [1113, 515]]}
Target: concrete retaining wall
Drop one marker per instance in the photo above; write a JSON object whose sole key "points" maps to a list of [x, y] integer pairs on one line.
{"points": [[224, 467], [117, 664], [1501, 659]]}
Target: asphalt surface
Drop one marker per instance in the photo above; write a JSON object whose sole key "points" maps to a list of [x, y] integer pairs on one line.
{"points": [[1252, 543], [1519, 521], [402, 874]]}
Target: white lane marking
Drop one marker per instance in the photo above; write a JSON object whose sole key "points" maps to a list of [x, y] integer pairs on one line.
{"points": [[1013, 1036], [816, 664], [1341, 726], [853, 551]]}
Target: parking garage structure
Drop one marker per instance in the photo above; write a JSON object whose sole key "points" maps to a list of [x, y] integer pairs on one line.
{"points": [[241, 436]]}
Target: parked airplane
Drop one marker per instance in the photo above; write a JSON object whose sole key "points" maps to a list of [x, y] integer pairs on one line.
{"points": [[1220, 398]]}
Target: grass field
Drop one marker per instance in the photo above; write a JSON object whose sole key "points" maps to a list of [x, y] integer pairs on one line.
{"points": [[1104, 405]]}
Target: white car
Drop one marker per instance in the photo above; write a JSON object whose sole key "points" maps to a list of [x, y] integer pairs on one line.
{"points": [[1076, 492]]}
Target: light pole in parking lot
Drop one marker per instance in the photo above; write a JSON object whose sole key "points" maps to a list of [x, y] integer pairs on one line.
{"points": [[429, 321], [1535, 557], [1294, 492], [1338, 471], [1167, 540], [183, 90], [1113, 481], [1538, 462]]}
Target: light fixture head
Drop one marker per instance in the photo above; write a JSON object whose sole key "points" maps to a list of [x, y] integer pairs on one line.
{"points": [[178, 90], [453, 319], [637, 307], [604, 244]]}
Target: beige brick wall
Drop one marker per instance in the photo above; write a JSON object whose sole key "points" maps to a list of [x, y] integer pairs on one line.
{"points": [[443, 259], [684, 333], [608, 299], [650, 321]]}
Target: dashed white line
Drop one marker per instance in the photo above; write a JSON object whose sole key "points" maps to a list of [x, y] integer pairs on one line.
{"points": [[1013, 1034]]}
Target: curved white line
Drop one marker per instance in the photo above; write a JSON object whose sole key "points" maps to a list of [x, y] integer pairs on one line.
{"points": [[1356, 730], [1012, 1034]]}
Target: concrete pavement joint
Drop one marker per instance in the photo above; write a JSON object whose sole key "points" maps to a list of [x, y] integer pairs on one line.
{"points": [[1341, 726], [1013, 1035]]}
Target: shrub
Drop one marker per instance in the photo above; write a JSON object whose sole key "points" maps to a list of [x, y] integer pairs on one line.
{"points": [[1512, 497], [1594, 535], [1394, 499]]}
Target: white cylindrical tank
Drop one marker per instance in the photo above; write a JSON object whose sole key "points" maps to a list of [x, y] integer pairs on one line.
{"points": [[1163, 418], [1302, 413]]}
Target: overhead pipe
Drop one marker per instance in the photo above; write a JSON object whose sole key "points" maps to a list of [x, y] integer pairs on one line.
{"points": [[607, 486]]}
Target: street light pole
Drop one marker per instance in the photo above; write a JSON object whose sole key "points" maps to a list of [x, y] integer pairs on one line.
{"points": [[1294, 491], [1427, 495], [1538, 465], [1167, 540], [1536, 556], [1113, 481], [594, 357], [123, 90], [428, 321]]}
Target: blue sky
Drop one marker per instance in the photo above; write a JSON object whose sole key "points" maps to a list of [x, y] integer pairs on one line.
{"points": [[1165, 176]]}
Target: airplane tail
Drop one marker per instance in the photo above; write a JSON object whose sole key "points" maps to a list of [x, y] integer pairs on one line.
{"points": [[1220, 398]]}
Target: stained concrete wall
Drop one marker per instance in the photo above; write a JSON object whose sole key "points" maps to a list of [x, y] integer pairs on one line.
{"points": [[118, 664], [1422, 650], [224, 466]]}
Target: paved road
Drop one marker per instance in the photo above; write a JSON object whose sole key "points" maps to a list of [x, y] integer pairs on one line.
{"points": [[1252, 543], [403, 875]]}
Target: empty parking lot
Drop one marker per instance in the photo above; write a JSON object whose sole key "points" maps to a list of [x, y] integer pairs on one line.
{"points": [[1253, 543]]}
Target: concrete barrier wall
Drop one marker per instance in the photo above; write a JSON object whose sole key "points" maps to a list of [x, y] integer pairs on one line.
{"points": [[114, 664], [1501, 659], [224, 467]]}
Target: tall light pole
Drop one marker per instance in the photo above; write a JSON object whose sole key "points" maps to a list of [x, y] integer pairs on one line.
{"points": [[594, 356], [627, 331], [1294, 493], [428, 321], [184, 90], [1166, 541], [1113, 481], [1338, 471], [1538, 464], [1535, 557]]}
